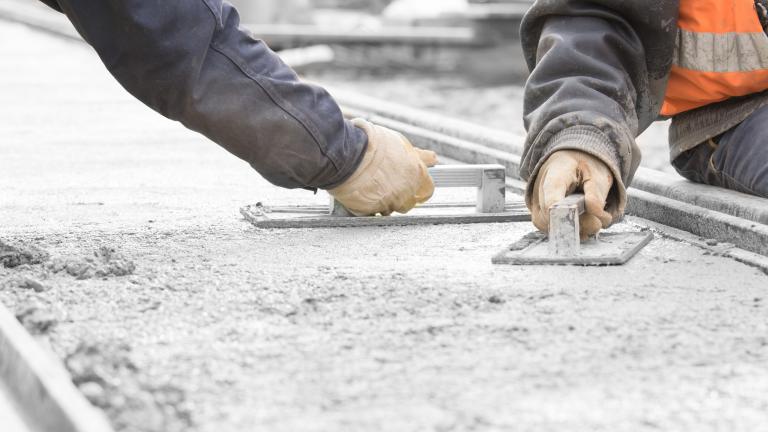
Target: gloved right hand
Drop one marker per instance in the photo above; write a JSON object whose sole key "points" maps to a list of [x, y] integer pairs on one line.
{"points": [[392, 177], [565, 172]]}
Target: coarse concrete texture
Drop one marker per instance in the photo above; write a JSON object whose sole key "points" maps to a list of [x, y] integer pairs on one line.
{"points": [[213, 325]]}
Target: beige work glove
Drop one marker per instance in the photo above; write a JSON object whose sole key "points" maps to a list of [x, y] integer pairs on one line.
{"points": [[392, 177], [568, 171]]}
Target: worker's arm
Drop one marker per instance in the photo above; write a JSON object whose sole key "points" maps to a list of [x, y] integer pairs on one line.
{"points": [[190, 61], [589, 93]]}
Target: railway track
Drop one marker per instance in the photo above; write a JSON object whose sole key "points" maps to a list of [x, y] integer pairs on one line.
{"points": [[36, 393]]}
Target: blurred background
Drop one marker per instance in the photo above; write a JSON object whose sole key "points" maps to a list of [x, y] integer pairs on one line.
{"points": [[474, 38], [457, 57]]}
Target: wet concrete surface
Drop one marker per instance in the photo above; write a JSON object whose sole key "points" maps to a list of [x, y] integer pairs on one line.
{"points": [[223, 327]]}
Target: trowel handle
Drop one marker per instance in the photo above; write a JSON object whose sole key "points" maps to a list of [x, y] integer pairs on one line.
{"points": [[564, 237], [490, 181]]}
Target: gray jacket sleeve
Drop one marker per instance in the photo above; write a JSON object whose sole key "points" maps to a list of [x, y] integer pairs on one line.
{"points": [[590, 88]]}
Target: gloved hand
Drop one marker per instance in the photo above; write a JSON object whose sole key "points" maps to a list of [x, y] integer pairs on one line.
{"points": [[392, 177], [565, 172]]}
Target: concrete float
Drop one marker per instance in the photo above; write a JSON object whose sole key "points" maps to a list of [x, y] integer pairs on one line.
{"points": [[490, 205]]}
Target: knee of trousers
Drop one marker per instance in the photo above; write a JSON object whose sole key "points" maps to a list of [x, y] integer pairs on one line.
{"points": [[743, 154]]}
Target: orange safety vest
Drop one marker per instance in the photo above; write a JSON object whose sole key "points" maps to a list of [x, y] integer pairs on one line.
{"points": [[722, 52]]}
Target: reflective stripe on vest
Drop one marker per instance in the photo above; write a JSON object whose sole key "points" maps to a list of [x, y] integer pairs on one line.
{"points": [[722, 52]]}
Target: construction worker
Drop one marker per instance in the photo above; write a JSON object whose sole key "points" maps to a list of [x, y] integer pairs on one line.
{"points": [[189, 61], [603, 70]]}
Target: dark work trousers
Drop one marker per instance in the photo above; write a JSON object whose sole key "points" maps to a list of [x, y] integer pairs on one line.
{"points": [[737, 160], [189, 61]]}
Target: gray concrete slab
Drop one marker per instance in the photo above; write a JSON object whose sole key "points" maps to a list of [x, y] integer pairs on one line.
{"points": [[377, 329]]}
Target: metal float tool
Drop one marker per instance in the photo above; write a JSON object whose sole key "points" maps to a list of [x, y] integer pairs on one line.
{"points": [[490, 206], [563, 246]]}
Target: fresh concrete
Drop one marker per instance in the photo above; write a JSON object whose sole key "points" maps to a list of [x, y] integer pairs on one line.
{"points": [[233, 328]]}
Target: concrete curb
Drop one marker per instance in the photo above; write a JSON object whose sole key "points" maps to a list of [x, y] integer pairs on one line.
{"points": [[713, 198], [746, 234], [40, 386], [715, 248]]}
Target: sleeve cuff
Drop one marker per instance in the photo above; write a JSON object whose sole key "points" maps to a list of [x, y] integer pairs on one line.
{"points": [[594, 142]]}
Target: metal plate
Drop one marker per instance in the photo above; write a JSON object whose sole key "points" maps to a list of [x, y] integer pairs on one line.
{"points": [[428, 214], [608, 249]]}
